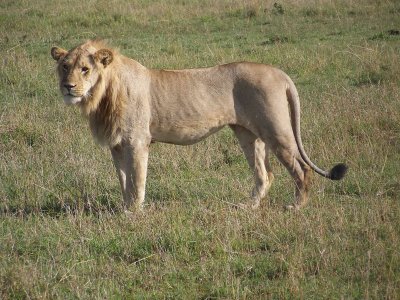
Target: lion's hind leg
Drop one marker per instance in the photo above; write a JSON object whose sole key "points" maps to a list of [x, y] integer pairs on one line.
{"points": [[300, 172], [256, 155]]}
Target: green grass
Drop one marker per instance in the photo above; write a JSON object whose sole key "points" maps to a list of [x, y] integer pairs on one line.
{"points": [[62, 235]]}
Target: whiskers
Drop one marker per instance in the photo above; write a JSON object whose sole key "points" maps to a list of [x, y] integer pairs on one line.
{"points": [[88, 95]]}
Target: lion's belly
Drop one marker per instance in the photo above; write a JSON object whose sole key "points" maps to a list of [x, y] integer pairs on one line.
{"points": [[185, 133], [189, 105]]}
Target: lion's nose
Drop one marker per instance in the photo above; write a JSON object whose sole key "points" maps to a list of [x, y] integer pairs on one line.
{"points": [[69, 86]]}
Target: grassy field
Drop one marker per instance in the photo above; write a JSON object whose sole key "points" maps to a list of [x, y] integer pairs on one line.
{"points": [[62, 235]]}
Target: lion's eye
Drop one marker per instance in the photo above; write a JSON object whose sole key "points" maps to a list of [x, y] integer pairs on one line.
{"points": [[65, 67], [85, 70]]}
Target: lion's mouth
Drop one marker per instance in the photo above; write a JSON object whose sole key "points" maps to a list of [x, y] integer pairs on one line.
{"points": [[71, 94]]}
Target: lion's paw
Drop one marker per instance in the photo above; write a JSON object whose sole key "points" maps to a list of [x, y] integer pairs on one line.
{"points": [[291, 207]]}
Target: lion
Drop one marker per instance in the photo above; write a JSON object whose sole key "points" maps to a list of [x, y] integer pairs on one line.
{"points": [[130, 106]]}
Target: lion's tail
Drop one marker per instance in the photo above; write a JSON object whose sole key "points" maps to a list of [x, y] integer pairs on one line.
{"points": [[338, 171]]}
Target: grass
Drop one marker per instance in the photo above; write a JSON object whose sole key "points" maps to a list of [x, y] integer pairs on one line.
{"points": [[62, 235]]}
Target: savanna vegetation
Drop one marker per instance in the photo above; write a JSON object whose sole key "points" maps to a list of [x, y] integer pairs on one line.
{"points": [[62, 233]]}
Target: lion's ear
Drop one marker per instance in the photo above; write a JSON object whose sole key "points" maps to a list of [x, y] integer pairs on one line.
{"points": [[58, 53], [104, 56]]}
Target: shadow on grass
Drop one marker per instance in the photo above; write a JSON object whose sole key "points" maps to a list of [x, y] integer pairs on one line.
{"points": [[56, 208]]}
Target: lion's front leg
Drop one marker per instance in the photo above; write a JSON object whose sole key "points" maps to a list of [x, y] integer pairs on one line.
{"points": [[118, 158], [135, 160]]}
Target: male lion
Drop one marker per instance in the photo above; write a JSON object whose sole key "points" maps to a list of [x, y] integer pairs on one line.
{"points": [[130, 106]]}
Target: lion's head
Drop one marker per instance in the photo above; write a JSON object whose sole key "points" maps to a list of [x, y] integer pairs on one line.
{"points": [[80, 69]]}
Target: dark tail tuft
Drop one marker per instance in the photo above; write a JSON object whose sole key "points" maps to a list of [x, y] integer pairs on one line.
{"points": [[338, 172]]}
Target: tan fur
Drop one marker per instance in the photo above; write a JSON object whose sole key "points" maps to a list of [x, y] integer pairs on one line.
{"points": [[130, 106]]}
